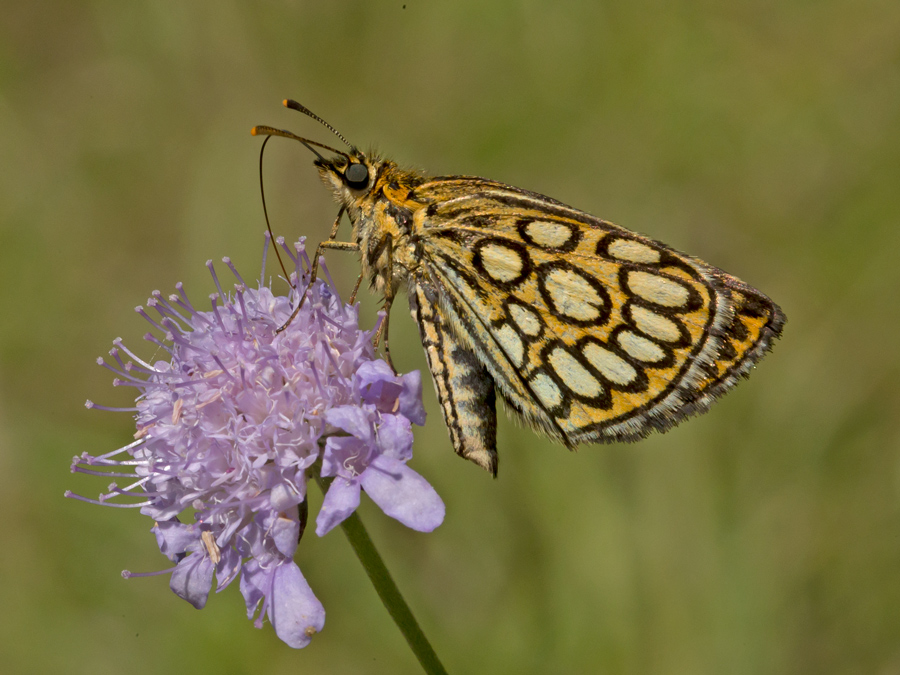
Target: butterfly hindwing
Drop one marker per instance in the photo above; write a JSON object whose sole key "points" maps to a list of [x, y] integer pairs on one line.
{"points": [[465, 389]]}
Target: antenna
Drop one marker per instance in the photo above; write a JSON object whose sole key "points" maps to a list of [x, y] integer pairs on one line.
{"points": [[299, 107]]}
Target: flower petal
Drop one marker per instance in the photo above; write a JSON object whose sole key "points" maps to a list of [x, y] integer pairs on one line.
{"points": [[343, 454], [295, 612], [403, 494], [395, 437], [228, 567], [192, 579], [284, 495], [340, 501], [254, 579], [411, 405], [383, 394], [286, 532], [374, 371], [174, 538], [352, 419]]}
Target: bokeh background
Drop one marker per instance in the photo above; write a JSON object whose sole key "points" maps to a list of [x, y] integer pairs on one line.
{"points": [[764, 137]]}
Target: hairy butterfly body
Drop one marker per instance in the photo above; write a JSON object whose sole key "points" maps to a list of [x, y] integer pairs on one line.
{"points": [[589, 331]]}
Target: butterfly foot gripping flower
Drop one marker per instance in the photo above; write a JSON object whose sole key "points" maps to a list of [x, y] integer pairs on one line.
{"points": [[231, 425]]}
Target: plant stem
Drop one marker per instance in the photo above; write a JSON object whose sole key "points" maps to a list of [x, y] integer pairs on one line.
{"points": [[387, 590]]}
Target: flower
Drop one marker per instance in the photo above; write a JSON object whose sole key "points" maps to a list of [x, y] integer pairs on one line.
{"points": [[231, 426]]}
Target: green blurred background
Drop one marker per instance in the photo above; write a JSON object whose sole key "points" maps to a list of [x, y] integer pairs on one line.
{"points": [[764, 137]]}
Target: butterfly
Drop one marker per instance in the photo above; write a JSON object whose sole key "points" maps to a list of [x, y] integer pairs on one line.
{"points": [[586, 330]]}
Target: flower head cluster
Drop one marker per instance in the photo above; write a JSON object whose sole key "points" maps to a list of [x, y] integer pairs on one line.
{"points": [[231, 425]]}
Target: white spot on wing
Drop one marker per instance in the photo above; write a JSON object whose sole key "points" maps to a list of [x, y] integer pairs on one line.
{"points": [[633, 251], [501, 263], [458, 282], [548, 234], [572, 295], [546, 390], [512, 344], [658, 289], [640, 348], [575, 376], [527, 320], [612, 366], [655, 325]]}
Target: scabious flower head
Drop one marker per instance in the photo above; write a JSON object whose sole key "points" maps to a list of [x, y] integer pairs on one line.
{"points": [[231, 425]]}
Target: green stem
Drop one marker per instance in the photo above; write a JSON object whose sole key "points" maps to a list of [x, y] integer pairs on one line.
{"points": [[387, 590]]}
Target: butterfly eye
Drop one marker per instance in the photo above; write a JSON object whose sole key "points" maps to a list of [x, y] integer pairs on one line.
{"points": [[357, 176]]}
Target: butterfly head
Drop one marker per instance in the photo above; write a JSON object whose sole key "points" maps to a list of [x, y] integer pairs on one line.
{"points": [[350, 175]]}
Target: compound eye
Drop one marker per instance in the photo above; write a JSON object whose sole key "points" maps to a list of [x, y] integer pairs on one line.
{"points": [[357, 176]]}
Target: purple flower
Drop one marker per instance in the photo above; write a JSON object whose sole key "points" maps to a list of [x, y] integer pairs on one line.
{"points": [[231, 426], [373, 457]]}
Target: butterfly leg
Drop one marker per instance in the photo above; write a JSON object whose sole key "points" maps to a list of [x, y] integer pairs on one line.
{"points": [[332, 245], [388, 301], [352, 297], [328, 243]]}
